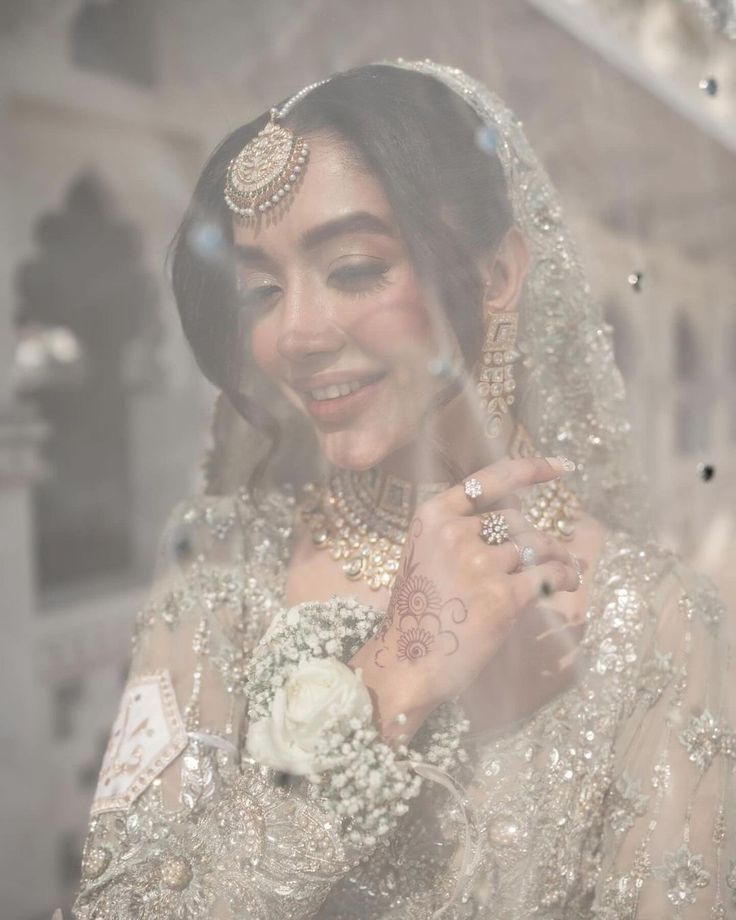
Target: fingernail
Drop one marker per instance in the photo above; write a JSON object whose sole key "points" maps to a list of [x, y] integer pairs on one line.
{"points": [[563, 464]]}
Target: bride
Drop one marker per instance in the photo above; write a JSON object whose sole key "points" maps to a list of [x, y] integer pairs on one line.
{"points": [[403, 659]]}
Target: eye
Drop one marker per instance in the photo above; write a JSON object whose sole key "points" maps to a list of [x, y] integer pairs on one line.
{"points": [[256, 296], [360, 277]]}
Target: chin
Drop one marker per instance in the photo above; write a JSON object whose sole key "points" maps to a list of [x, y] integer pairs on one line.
{"points": [[355, 451]]}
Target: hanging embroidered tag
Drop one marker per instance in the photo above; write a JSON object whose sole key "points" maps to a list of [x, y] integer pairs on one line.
{"points": [[147, 735]]}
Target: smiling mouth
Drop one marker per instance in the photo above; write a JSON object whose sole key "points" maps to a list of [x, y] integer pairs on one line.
{"points": [[337, 390], [331, 402]]}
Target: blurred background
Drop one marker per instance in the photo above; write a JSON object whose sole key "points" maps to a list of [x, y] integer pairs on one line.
{"points": [[108, 109]]}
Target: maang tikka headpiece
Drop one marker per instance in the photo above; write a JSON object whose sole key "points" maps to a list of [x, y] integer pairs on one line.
{"points": [[269, 166]]}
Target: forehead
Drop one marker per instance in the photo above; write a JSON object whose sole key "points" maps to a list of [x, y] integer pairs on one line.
{"points": [[334, 184]]}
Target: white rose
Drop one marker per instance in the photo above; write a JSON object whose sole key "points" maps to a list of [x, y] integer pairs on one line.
{"points": [[317, 690]]}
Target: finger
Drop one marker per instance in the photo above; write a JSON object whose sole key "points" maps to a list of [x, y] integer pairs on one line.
{"points": [[501, 478], [505, 502], [543, 548], [541, 581]]}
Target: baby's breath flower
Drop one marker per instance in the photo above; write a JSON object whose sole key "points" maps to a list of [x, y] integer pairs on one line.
{"points": [[360, 781]]}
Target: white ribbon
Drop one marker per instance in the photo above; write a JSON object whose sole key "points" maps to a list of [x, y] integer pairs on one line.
{"points": [[471, 848]]}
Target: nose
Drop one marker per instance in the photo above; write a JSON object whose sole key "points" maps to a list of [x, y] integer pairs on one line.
{"points": [[307, 327]]}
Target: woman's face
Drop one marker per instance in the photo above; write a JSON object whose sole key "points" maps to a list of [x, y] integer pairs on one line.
{"points": [[338, 318]]}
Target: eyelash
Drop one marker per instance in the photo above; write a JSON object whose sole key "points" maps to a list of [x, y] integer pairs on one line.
{"points": [[257, 295], [356, 272]]}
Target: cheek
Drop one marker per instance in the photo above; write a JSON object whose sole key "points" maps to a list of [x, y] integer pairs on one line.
{"points": [[264, 351], [263, 346], [395, 324]]}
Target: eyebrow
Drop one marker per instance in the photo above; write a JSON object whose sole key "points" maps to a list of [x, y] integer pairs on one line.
{"points": [[356, 222]]}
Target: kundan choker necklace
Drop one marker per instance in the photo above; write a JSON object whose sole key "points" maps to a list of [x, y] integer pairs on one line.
{"points": [[362, 517]]}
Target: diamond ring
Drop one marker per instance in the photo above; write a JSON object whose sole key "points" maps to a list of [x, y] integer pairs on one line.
{"points": [[473, 488], [494, 528], [528, 556]]}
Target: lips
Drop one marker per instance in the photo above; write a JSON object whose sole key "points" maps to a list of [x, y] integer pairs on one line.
{"points": [[342, 379], [334, 390], [336, 400]]}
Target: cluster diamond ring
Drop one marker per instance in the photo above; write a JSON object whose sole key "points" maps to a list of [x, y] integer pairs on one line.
{"points": [[473, 488], [494, 528]]}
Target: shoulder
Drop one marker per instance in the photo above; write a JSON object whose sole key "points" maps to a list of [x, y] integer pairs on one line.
{"points": [[660, 577], [618, 563], [208, 527], [221, 559], [199, 527], [650, 607], [625, 595], [634, 562]]}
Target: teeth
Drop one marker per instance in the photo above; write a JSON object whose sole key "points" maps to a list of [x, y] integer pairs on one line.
{"points": [[335, 390]]}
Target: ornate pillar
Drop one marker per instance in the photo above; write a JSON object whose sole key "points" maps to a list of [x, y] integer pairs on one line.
{"points": [[27, 870]]}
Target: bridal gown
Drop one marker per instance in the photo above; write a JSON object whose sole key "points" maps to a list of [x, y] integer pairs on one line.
{"points": [[613, 800]]}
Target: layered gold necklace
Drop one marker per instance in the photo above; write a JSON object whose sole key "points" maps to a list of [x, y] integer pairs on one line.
{"points": [[361, 518]]}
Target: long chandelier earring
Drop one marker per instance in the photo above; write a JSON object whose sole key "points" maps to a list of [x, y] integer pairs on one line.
{"points": [[552, 507], [496, 384]]}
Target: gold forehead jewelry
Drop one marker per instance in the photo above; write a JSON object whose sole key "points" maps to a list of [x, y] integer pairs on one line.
{"points": [[269, 166], [265, 170]]}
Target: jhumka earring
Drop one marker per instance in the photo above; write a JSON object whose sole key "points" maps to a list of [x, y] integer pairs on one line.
{"points": [[552, 506], [496, 382]]}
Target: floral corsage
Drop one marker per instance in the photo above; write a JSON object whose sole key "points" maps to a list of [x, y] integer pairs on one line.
{"points": [[311, 715]]}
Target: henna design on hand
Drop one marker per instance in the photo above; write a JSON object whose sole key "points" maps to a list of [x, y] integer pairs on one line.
{"points": [[414, 643], [417, 611]]}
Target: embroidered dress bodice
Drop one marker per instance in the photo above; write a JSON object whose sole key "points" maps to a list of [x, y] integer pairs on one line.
{"points": [[613, 800]]}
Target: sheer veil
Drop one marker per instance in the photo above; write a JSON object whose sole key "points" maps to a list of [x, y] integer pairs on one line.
{"points": [[573, 399], [598, 780]]}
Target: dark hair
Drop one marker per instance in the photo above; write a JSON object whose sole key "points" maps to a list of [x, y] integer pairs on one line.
{"points": [[446, 186]]}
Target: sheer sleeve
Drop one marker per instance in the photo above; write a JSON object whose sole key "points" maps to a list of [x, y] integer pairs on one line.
{"points": [[183, 824], [669, 845]]}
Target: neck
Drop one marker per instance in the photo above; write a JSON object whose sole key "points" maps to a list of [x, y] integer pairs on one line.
{"points": [[452, 443]]}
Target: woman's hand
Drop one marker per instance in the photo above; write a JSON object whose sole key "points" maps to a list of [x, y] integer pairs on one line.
{"points": [[455, 597]]}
